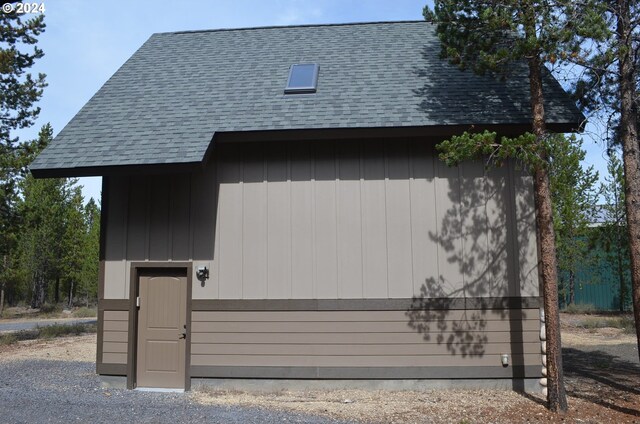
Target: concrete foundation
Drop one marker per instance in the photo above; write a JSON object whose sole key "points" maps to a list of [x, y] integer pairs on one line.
{"points": [[113, 382], [528, 385]]}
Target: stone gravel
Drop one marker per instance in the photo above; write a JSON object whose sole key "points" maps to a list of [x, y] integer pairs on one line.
{"points": [[44, 391]]}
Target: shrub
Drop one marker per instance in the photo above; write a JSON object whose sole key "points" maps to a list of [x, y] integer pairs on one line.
{"points": [[59, 330], [51, 309], [85, 312], [585, 308], [8, 339]]}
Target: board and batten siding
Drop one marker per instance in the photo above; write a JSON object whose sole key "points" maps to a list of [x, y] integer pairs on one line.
{"points": [[329, 220]]}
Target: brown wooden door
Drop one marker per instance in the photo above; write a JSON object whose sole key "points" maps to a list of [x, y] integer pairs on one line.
{"points": [[162, 330]]}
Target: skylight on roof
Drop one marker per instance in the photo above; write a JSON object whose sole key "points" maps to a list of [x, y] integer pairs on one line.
{"points": [[303, 78]]}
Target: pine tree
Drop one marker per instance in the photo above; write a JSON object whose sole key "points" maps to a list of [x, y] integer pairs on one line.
{"points": [[19, 92], [613, 235], [42, 210], [574, 196], [73, 243], [90, 264], [493, 37]]}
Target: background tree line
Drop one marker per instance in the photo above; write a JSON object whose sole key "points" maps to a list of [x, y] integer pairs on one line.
{"points": [[53, 256], [592, 243], [49, 239]]}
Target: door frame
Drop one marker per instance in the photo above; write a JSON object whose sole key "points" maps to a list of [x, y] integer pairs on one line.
{"points": [[134, 290]]}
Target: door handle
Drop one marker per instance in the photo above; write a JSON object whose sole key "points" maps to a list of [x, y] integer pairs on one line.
{"points": [[183, 336]]}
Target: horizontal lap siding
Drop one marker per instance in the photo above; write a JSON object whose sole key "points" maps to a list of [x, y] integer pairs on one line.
{"points": [[242, 341], [114, 337]]}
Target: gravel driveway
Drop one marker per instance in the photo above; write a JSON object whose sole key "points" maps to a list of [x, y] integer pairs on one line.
{"points": [[62, 392]]}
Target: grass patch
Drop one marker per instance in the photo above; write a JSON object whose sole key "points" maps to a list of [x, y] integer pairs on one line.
{"points": [[623, 322], [85, 312], [48, 332], [8, 339], [586, 308]]}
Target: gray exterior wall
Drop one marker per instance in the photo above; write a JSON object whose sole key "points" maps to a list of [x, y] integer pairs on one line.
{"points": [[331, 260], [329, 220]]}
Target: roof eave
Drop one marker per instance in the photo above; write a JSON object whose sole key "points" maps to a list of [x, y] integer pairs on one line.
{"points": [[98, 171], [424, 132]]}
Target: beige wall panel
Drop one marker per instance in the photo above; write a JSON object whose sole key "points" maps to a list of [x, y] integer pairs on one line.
{"points": [[116, 315], [475, 249], [159, 222], [525, 224], [398, 212], [203, 205], [254, 223], [423, 217], [349, 221], [180, 211], [114, 358], [127, 279], [367, 219], [116, 238], [359, 361], [138, 220], [278, 223], [449, 282], [229, 222], [116, 231], [325, 224], [502, 338], [374, 222], [114, 347], [302, 214], [500, 232], [115, 280], [116, 326], [213, 284], [116, 336]]}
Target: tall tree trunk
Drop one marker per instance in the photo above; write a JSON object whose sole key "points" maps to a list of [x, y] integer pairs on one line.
{"points": [[38, 290], [630, 149], [1, 299], [4, 268], [556, 394], [70, 294], [57, 291]]}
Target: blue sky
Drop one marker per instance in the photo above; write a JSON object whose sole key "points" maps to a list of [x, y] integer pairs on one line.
{"points": [[87, 41]]}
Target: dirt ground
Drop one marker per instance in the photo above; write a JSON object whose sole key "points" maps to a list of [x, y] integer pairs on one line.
{"points": [[601, 366], [74, 348]]}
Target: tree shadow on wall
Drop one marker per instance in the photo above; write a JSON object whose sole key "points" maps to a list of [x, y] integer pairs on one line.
{"points": [[472, 303]]}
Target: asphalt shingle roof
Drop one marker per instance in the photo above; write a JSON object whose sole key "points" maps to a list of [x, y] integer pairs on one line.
{"points": [[165, 104]]}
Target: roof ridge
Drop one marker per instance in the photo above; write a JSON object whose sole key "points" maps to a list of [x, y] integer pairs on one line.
{"points": [[292, 26]]}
